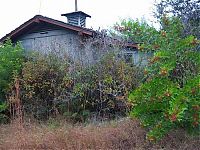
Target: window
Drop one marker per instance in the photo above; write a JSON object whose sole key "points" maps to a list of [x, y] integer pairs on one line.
{"points": [[128, 57]]}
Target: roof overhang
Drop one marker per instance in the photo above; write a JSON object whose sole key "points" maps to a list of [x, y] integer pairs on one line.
{"points": [[36, 20], [76, 13]]}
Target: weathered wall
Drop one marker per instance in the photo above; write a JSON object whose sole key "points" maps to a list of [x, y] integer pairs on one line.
{"points": [[58, 40], [47, 39]]}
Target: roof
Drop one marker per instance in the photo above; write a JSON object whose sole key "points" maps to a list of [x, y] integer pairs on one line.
{"points": [[28, 25], [39, 18], [76, 12]]}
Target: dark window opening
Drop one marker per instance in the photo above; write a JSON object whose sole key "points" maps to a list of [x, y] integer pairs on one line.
{"points": [[128, 57]]}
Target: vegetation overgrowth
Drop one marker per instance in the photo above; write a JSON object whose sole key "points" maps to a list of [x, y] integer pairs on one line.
{"points": [[11, 58], [186, 10], [42, 86], [169, 96], [10, 63], [122, 134], [163, 92]]}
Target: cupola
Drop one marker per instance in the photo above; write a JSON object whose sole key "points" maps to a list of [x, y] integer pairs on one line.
{"points": [[77, 18]]}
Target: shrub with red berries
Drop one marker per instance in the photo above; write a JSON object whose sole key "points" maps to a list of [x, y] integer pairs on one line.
{"points": [[169, 96]]}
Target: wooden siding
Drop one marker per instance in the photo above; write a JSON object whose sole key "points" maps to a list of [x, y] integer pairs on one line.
{"points": [[59, 41]]}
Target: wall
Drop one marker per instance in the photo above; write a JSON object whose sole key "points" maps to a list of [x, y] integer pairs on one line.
{"points": [[67, 42], [59, 41]]}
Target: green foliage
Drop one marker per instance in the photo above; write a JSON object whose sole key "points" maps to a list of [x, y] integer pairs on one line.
{"points": [[3, 116], [11, 58], [136, 31], [169, 96], [186, 10]]}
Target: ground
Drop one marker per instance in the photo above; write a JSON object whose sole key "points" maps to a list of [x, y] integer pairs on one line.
{"points": [[121, 134]]}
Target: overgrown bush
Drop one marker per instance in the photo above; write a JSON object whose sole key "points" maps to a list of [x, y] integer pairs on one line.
{"points": [[169, 96], [11, 58], [51, 85], [41, 79], [103, 88]]}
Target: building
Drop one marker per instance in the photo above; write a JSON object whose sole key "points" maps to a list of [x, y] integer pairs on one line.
{"points": [[72, 37]]}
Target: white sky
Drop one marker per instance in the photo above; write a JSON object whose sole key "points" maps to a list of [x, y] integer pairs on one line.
{"points": [[104, 12]]}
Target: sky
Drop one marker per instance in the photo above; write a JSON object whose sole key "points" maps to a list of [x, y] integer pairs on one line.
{"points": [[104, 13]]}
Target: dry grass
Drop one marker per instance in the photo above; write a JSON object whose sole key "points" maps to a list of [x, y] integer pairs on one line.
{"points": [[123, 134]]}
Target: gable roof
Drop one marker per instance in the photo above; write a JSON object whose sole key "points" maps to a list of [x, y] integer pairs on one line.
{"points": [[38, 19], [28, 25]]}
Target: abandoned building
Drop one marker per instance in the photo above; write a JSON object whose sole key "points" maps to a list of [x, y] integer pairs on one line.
{"points": [[45, 34]]}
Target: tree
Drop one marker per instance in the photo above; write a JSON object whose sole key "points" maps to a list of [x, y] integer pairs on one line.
{"points": [[187, 10]]}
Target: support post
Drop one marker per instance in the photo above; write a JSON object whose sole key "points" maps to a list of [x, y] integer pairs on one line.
{"points": [[76, 5]]}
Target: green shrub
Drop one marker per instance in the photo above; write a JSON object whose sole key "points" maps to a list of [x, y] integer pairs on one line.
{"points": [[169, 96], [11, 58], [3, 116]]}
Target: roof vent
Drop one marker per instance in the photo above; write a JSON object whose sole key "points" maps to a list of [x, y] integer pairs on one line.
{"points": [[77, 18]]}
